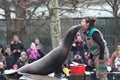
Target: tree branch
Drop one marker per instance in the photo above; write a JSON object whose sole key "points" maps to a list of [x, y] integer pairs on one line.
{"points": [[104, 9], [118, 2], [12, 11], [47, 4], [100, 10], [110, 3], [2, 15], [31, 13], [1, 6]]}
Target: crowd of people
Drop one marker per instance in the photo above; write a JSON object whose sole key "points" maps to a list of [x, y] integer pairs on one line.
{"points": [[15, 55], [89, 47]]}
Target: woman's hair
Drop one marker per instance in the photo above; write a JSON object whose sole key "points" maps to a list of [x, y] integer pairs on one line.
{"points": [[2, 48], [7, 46], [117, 51], [90, 20]]}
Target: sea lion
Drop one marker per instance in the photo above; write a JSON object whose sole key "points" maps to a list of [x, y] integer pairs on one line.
{"points": [[54, 59]]}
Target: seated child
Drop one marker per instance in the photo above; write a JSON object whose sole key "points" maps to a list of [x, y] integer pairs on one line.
{"points": [[23, 60]]}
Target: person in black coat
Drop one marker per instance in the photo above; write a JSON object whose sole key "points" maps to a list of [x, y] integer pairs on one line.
{"points": [[79, 48], [16, 47], [10, 60]]}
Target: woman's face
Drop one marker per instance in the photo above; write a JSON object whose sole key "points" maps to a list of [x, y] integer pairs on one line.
{"points": [[37, 41], [118, 47], [84, 24]]}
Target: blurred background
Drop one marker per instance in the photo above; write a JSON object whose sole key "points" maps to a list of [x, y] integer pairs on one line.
{"points": [[49, 20]]}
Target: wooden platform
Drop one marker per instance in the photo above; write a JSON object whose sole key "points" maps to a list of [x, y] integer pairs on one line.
{"points": [[76, 77], [37, 77]]}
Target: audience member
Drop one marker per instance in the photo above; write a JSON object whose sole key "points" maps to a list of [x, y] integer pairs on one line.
{"points": [[116, 58], [2, 60], [33, 53], [79, 34], [115, 54], [39, 47], [117, 62], [78, 47], [77, 58], [23, 60], [16, 47], [1, 49], [10, 60]]}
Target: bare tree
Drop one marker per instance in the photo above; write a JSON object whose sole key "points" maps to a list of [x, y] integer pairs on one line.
{"points": [[25, 11], [24, 15], [115, 5], [19, 8], [8, 6], [54, 23]]}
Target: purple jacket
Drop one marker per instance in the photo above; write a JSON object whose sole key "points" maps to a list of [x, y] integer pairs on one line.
{"points": [[33, 53]]}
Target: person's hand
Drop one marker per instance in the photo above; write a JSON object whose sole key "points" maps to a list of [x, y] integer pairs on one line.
{"points": [[26, 63], [38, 47], [1, 65], [14, 51], [73, 44], [90, 62], [18, 50], [100, 61]]}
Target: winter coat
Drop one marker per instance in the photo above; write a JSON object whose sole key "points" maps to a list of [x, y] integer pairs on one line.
{"points": [[21, 62], [33, 54], [10, 60]]}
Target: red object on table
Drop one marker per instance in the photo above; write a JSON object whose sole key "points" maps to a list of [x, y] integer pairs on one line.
{"points": [[78, 69]]}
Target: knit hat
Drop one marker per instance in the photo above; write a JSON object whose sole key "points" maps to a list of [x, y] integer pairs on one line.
{"points": [[23, 53]]}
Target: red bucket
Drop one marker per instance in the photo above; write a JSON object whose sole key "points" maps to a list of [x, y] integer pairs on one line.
{"points": [[79, 69]]}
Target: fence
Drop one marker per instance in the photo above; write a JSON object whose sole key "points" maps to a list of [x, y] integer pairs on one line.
{"points": [[104, 24]]}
